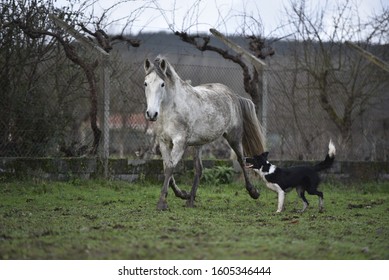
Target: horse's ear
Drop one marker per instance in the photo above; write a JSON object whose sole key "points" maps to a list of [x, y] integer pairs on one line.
{"points": [[163, 65], [147, 65]]}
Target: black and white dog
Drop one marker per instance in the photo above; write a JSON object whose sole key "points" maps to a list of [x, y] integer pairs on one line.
{"points": [[281, 180]]}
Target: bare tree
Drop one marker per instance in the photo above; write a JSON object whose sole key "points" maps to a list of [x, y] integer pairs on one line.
{"points": [[33, 21], [251, 78], [251, 29], [343, 83], [378, 27], [21, 57]]}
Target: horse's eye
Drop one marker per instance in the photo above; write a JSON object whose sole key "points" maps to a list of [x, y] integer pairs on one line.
{"points": [[145, 84], [163, 84]]}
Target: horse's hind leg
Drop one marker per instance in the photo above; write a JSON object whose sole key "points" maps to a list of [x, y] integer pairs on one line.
{"points": [[177, 191], [254, 193], [238, 149], [198, 173]]}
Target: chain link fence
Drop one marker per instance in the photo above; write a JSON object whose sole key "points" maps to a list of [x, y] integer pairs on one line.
{"points": [[300, 127], [45, 103], [41, 105]]}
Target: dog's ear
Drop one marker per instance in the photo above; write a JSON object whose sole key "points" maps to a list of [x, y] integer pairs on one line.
{"points": [[265, 154]]}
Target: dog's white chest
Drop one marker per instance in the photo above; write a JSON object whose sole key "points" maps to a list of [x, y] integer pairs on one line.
{"points": [[261, 173]]}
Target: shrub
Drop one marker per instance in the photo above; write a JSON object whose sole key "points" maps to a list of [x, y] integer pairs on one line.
{"points": [[218, 175]]}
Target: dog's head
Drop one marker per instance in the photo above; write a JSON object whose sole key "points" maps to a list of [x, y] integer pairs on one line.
{"points": [[258, 162]]}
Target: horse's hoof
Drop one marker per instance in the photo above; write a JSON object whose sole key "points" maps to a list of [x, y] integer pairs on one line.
{"points": [[190, 204], [254, 193], [162, 206]]}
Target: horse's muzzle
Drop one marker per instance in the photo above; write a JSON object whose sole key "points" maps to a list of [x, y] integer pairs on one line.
{"points": [[151, 116]]}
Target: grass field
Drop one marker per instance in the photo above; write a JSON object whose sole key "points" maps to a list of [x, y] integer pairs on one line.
{"points": [[117, 220]]}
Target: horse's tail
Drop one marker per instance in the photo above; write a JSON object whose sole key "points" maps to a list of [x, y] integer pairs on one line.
{"points": [[253, 139]]}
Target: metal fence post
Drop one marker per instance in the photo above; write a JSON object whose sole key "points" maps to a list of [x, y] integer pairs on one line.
{"points": [[264, 101], [106, 93]]}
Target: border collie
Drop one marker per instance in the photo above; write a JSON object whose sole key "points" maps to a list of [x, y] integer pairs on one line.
{"points": [[303, 178]]}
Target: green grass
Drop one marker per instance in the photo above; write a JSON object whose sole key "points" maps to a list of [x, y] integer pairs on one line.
{"points": [[117, 220]]}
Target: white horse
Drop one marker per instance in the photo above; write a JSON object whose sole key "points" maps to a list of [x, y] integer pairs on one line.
{"points": [[193, 116]]}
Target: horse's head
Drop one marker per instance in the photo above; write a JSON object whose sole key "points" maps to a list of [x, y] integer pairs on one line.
{"points": [[155, 89]]}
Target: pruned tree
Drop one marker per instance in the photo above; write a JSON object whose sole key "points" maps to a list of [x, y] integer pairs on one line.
{"points": [[32, 17], [251, 29], [22, 120], [251, 77], [342, 82]]}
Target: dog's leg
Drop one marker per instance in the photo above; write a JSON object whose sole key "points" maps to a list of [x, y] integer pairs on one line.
{"points": [[314, 191], [321, 204], [281, 195], [300, 192], [321, 201], [281, 199], [305, 205]]}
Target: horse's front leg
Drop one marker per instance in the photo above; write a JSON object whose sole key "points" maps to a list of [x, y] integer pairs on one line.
{"points": [[198, 172], [177, 191], [171, 156], [162, 203]]}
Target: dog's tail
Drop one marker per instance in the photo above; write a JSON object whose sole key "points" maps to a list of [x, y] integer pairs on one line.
{"points": [[329, 160]]}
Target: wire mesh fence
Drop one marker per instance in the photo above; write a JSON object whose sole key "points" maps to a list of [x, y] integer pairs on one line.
{"points": [[45, 112]]}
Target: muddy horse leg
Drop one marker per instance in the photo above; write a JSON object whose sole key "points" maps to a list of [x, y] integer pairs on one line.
{"points": [[177, 191], [238, 149], [198, 172], [162, 203], [171, 156]]}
